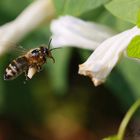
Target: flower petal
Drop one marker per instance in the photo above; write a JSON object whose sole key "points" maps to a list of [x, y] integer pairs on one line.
{"points": [[34, 15], [71, 31], [104, 58]]}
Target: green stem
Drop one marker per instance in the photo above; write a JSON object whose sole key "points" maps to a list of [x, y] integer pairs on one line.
{"points": [[127, 118]]}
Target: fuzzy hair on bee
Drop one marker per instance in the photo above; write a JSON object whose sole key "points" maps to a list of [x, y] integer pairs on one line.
{"points": [[30, 63]]}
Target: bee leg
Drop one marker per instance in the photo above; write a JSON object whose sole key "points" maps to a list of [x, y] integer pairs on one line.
{"points": [[26, 75], [39, 68]]}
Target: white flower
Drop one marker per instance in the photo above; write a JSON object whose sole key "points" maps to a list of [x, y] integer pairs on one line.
{"points": [[104, 58], [34, 15], [71, 31]]}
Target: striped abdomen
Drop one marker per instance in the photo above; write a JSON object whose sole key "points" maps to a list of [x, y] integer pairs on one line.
{"points": [[15, 68]]}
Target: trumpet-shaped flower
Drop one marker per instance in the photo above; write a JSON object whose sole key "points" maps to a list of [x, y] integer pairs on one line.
{"points": [[71, 31], [34, 15], [104, 58]]}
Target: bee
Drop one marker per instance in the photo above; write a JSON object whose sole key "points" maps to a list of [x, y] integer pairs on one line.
{"points": [[29, 63]]}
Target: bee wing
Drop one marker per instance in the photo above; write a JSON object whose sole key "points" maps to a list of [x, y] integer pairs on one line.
{"points": [[14, 48], [19, 50]]}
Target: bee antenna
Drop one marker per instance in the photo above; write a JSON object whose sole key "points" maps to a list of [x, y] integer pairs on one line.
{"points": [[55, 48], [49, 43]]}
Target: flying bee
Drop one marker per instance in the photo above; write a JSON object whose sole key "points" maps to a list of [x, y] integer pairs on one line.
{"points": [[29, 63]]}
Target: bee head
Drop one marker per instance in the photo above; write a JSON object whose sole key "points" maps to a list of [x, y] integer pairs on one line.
{"points": [[46, 52], [45, 49], [49, 54]]}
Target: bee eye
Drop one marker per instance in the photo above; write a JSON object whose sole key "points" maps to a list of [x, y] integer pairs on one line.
{"points": [[45, 50], [35, 52]]}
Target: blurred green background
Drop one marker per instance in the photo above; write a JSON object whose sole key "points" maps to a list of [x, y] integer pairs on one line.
{"points": [[59, 104]]}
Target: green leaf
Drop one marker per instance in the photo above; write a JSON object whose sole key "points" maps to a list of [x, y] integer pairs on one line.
{"points": [[138, 20], [76, 7], [133, 49], [125, 9]]}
